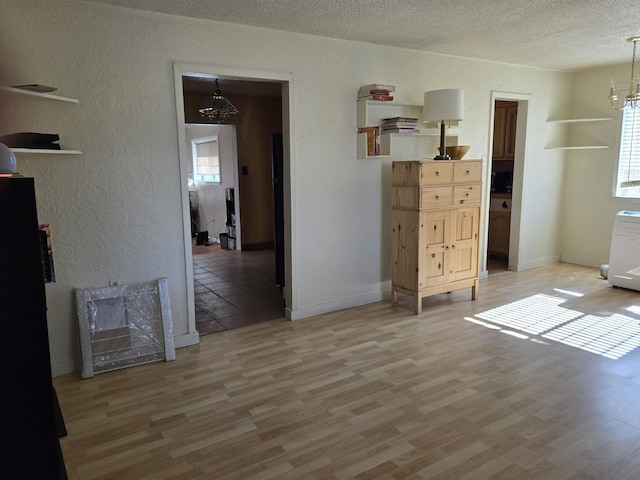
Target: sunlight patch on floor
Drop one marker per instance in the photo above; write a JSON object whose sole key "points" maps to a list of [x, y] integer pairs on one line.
{"points": [[543, 316]]}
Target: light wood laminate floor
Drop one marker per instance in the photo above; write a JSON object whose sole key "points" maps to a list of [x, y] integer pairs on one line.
{"points": [[537, 379]]}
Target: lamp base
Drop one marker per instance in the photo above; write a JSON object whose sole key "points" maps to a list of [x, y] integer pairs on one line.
{"points": [[442, 157]]}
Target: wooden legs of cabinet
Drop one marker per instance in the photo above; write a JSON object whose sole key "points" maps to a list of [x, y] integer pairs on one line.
{"points": [[474, 290], [416, 295], [434, 290]]}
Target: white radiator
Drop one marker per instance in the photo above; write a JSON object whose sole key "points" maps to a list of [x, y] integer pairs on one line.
{"points": [[624, 257]]}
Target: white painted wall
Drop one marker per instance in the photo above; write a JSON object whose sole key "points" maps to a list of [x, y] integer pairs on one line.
{"points": [[115, 211], [589, 209]]}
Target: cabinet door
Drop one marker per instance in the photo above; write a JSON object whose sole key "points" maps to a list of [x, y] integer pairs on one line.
{"points": [[464, 243], [406, 237], [510, 131], [434, 255], [499, 125], [499, 225]]}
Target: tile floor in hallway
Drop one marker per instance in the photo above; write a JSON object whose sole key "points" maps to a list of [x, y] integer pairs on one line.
{"points": [[234, 288]]}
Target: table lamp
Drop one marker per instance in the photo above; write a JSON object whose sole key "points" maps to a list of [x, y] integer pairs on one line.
{"points": [[440, 106]]}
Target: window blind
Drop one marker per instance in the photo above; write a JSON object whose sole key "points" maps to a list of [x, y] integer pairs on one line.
{"points": [[628, 184]]}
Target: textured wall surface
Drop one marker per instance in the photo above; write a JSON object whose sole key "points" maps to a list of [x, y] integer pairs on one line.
{"points": [[115, 211]]}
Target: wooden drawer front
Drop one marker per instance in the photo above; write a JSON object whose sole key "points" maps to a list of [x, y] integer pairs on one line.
{"points": [[467, 172], [436, 173], [431, 197], [466, 194]]}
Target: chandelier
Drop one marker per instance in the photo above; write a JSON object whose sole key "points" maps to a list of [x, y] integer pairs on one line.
{"points": [[619, 98], [218, 108]]}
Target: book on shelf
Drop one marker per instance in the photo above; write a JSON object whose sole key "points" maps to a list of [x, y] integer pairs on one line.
{"points": [[400, 130], [400, 119], [399, 124], [373, 140], [375, 88], [379, 97]]}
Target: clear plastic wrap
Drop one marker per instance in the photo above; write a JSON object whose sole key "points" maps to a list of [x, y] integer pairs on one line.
{"points": [[124, 325]]}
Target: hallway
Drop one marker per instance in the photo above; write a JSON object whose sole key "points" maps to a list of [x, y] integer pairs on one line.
{"points": [[234, 288]]}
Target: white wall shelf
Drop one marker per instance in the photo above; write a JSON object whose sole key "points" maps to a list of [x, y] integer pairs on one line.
{"points": [[577, 121], [371, 113], [46, 96], [580, 120], [578, 147], [46, 151]]}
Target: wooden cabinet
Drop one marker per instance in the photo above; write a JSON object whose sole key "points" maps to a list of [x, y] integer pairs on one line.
{"points": [[29, 412], [499, 225], [436, 218], [504, 130]]}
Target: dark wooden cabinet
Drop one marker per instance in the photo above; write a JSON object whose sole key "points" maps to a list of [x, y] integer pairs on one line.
{"points": [[30, 419]]}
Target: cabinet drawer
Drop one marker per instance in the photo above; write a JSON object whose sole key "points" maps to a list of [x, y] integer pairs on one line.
{"points": [[467, 172], [466, 194], [431, 197], [436, 172]]}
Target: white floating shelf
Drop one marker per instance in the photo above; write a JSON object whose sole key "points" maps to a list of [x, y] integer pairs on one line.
{"points": [[578, 147], [48, 96], [579, 120], [43, 151]]}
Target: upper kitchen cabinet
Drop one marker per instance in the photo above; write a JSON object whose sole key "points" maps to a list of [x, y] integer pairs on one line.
{"points": [[504, 130]]}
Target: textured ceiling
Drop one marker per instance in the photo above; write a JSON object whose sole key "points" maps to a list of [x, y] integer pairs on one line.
{"points": [[555, 34]]}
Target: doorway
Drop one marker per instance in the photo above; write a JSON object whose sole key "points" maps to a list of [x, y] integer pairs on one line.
{"points": [[248, 178], [506, 180]]}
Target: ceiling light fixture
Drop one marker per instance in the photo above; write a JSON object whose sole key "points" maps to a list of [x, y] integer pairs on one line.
{"points": [[218, 108], [618, 97]]}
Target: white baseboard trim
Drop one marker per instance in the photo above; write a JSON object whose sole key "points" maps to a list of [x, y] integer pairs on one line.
{"points": [[539, 262], [186, 340], [341, 304]]}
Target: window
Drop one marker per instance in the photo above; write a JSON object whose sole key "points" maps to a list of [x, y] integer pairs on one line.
{"points": [[628, 175], [206, 161]]}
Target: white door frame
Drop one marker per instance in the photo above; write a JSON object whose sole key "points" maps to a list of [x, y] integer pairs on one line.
{"points": [[286, 79], [517, 200]]}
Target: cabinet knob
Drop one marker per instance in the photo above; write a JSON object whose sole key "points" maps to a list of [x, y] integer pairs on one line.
{"points": [[447, 247], [437, 197], [453, 246], [437, 174], [468, 172], [466, 194]]}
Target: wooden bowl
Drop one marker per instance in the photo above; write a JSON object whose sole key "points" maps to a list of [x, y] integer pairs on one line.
{"points": [[457, 152]]}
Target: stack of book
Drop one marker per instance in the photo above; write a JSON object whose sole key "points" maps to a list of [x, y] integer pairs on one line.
{"points": [[399, 125], [373, 139], [376, 91]]}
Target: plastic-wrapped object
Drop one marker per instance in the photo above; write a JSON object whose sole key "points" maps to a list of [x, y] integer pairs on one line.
{"points": [[124, 325]]}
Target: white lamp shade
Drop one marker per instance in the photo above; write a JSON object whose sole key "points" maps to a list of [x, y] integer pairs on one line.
{"points": [[7, 159], [447, 104]]}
